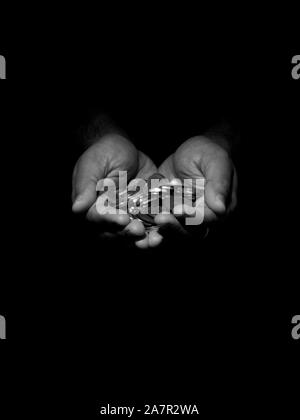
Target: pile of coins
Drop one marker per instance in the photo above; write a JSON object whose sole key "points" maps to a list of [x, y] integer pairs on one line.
{"points": [[138, 205]]}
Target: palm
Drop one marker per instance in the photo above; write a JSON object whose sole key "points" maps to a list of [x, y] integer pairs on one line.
{"points": [[114, 154], [196, 158], [201, 158]]}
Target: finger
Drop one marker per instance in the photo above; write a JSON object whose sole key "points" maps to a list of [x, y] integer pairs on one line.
{"points": [[86, 175], [155, 238], [168, 225], [134, 229], [108, 221], [181, 211], [218, 171], [108, 236], [209, 215], [143, 243], [146, 167]]}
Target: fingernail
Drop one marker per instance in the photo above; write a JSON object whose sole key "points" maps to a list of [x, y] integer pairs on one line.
{"points": [[220, 199], [77, 201]]}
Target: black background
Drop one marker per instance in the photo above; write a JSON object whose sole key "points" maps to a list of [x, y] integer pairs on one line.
{"points": [[208, 324]]}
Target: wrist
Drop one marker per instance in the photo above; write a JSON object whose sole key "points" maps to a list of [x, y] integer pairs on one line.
{"points": [[225, 135], [219, 139], [208, 139], [101, 127]]}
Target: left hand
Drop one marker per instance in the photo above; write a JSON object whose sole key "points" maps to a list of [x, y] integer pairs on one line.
{"points": [[201, 157]]}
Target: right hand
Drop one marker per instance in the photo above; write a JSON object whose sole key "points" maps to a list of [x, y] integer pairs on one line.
{"points": [[104, 159]]}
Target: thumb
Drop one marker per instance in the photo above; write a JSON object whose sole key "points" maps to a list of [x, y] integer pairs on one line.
{"points": [[85, 177], [218, 171]]}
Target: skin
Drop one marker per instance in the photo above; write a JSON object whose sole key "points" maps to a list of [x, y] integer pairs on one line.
{"points": [[104, 159], [197, 157], [201, 157]]}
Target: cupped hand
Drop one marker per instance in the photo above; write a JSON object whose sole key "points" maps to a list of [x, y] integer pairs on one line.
{"points": [[200, 157], [105, 159]]}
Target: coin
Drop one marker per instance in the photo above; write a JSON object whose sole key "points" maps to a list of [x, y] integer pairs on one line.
{"points": [[144, 205]]}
